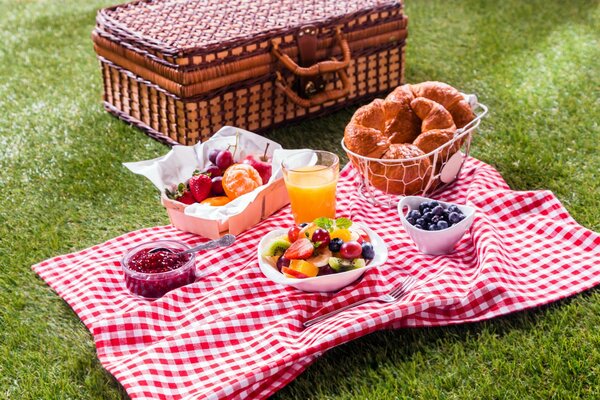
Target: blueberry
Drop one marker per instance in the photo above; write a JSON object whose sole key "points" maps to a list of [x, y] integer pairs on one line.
{"points": [[427, 216], [442, 225], [410, 220], [455, 217], [425, 210], [414, 214], [435, 219], [433, 204], [419, 226], [453, 208], [420, 221], [432, 227], [437, 210], [302, 225], [368, 253], [335, 244], [423, 206]]}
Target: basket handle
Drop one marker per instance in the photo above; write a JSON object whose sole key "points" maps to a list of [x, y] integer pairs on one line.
{"points": [[318, 99], [319, 68]]}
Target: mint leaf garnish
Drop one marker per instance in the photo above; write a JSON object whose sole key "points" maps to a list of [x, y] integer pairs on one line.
{"points": [[323, 222], [343, 223]]}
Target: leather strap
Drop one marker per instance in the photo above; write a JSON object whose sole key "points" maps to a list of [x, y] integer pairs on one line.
{"points": [[307, 54], [311, 71]]}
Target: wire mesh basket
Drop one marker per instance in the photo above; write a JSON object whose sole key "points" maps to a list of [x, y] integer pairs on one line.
{"points": [[380, 181]]}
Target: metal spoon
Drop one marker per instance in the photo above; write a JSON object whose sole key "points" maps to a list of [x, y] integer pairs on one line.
{"points": [[222, 242]]}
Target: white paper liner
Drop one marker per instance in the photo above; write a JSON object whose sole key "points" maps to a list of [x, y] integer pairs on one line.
{"points": [[178, 165]]}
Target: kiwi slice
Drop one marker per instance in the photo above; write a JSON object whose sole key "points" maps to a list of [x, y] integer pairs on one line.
{"points": [[276, 248], [339, 264]]}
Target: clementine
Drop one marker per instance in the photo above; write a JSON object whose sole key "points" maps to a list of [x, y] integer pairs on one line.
{"points": [[216, 201], [240, 179]]}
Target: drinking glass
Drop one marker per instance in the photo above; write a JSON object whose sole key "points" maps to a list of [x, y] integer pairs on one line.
{"points": [[311, 178]]}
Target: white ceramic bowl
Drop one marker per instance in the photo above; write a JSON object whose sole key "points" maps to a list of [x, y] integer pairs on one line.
{"points": [[325, 283], [434, 242]]}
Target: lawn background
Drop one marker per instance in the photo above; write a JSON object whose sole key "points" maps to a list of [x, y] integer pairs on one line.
{"points": [[535, 64]]}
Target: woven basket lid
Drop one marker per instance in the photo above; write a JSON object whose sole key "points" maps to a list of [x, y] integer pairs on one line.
{"points": [[184, 27]]}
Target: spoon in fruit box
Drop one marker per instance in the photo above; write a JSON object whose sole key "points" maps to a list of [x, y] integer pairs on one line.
{"points": [[226, 240]]}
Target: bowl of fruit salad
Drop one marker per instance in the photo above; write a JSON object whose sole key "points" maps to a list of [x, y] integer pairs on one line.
{"points": [[154, 268], [322, 256], [435, 226]]}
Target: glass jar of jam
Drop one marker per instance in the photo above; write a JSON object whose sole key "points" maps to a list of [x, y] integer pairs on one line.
{"points": [[151, 274]]}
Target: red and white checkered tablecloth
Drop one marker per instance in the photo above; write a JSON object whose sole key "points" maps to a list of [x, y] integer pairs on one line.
{"points": [[235, 334]]}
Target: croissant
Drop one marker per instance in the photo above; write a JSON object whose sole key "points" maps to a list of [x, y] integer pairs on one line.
{"points": [[412, 121], [401, 176], [450, 98], [432, 114]]}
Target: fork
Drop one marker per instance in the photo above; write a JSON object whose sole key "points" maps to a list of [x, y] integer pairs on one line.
{"points": [[394, 295]]}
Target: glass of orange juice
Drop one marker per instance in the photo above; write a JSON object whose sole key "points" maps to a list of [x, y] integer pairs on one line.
{"points": [[311, 178]]}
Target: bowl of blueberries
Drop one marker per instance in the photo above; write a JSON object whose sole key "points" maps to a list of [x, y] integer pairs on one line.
{"points": [[435, 226]]}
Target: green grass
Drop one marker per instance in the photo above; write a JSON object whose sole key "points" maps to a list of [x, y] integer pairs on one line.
{"points": [[535, 64]]}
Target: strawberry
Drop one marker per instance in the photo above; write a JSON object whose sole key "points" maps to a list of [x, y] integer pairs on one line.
{"points": [[301, 249], [187, 198], [200, 185], [181, 193]]}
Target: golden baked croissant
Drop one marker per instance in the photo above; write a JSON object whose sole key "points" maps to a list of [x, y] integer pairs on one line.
{"points": [[450, 98], [412, 121]]}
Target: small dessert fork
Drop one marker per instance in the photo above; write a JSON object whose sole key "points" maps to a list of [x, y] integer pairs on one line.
{"points": [[394, 295]]}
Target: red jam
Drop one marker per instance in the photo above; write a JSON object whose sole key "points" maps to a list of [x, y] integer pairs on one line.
{"points": [[152, 275], [157, 262]]}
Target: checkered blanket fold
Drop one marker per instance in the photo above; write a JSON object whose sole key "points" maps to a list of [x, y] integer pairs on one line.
{"points": [[235, 334]]}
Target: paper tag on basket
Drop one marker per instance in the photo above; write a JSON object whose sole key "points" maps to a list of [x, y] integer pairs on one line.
{"points": [[178, 165]]}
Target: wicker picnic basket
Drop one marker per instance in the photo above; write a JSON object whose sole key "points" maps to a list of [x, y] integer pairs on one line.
{"points": [[180, 70]]}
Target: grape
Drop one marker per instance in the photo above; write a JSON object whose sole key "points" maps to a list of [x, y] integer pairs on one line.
{"points": [[368, 253], [335, 244], [282, 262], [216, 187], [213, 170], [326, 270], [350, 250], [212, 156], [293, 233], [224, 159], [321, 235]]}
